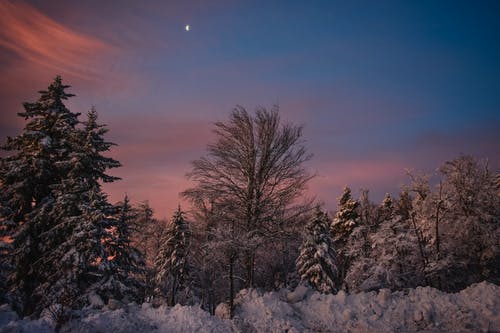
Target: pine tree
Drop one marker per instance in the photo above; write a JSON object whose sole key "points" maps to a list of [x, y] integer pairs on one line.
{"points": [[171, 262], [27, 174], [95, 145], [36, 163], [127, 261], [53, 203], [346, 217], [80, 220], [344, 223], [74, 260], [317, 261]]}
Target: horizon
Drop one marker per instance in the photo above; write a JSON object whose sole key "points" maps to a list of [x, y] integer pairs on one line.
{"points": [[379, 88]]}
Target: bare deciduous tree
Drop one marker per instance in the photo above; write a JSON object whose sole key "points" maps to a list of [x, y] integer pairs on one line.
{"points": [[254, 173]]}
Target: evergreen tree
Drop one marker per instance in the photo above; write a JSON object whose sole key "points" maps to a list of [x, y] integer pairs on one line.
{"points": [[80, 220], [53, 204], [317, 261], [344, 223], [94, 146], [36, 163], [346, 218], [127, 262], [171, 262], [74, 260], [27, 174]]}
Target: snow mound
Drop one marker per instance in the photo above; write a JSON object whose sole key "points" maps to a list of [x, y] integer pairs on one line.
{"points": [[9, 323], [475, 309], [298, 294], [146, 318]]}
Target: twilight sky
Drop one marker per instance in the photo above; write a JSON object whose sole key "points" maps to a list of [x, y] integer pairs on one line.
{"points": [[379, 85]]}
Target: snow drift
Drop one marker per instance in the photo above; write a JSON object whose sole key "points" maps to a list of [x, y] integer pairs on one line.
{"points": [[475, 309]]}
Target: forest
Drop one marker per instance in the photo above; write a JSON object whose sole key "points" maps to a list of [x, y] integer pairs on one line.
{"points": [[249, 224]]}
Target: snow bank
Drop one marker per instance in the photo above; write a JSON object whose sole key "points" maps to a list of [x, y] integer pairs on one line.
{"points": [[145, 318], [10, 323], [475, 309]]}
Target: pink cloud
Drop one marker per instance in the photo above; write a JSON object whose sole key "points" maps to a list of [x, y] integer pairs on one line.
{"points": [[35, 48], [40, 40]]}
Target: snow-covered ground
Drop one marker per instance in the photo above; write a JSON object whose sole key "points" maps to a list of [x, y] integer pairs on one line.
{"points": [[475, 309]]}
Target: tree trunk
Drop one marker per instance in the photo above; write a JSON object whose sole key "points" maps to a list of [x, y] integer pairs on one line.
{"points": [[438, 253], [420, 243], [231, 286], [438, 209], [174, 291], [249, 267]]}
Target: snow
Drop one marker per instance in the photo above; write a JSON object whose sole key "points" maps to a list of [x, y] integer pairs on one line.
{"points": [[475, 309], [46, 141], [298, 294], [223, 311], [145, 318], [95, 301], [10, 323]]}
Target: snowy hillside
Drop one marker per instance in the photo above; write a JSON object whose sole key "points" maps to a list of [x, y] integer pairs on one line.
{"points": [[475, 309]]}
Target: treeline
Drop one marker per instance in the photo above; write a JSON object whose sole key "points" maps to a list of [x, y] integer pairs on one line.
{"points": [[441, 231], [65, 247]]}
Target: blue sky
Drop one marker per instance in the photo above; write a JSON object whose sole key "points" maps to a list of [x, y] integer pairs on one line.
{"points": [[379, 85]]}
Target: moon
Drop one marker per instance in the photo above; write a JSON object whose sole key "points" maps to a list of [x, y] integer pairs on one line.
{"points": [[187, 27]]}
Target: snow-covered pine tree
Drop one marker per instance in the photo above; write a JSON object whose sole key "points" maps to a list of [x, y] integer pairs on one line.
{"points": [[95, 145], [346, 217], [26, 178], [80, 219], [74, 260], [26, 174], [343, 224], [127, 262], [171, 262], [317, 260], [51, 192], [496, 182]]}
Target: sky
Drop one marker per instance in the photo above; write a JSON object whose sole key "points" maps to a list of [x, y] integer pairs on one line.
{"points": [[379, 86]]}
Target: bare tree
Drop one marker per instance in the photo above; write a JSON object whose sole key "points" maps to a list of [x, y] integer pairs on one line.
{"points": [[254, 173], [456, 222]]}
